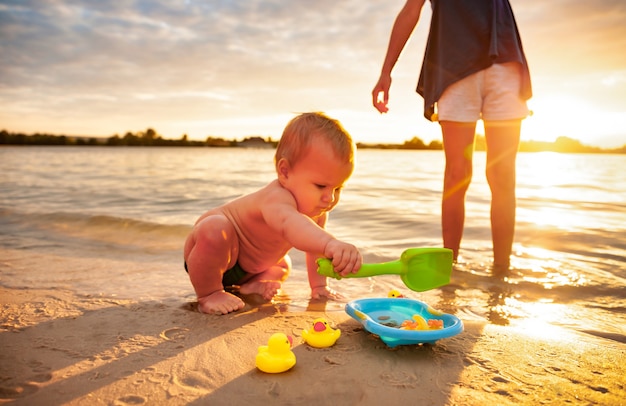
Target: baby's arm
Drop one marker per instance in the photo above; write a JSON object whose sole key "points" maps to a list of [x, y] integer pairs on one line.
{"points": [[296, 228], [318, 283], [308, 235], [345, 257]]}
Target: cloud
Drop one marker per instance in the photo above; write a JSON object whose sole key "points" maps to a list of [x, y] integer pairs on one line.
{"points": [[226, 47], [583, 37], [153, 61]]}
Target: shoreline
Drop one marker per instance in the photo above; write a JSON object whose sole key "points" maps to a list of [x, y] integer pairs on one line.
{"points": [[62, 348]]}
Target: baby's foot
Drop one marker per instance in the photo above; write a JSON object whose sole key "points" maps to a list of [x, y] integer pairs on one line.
{"points": [[265, 288], [322, 292], [220, 302]]}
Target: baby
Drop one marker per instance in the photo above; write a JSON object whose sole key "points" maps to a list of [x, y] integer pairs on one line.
{"points": [[245, 241]]}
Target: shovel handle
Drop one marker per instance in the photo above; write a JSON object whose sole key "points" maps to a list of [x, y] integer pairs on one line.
{"points": [[398, 267], [325, 267]]}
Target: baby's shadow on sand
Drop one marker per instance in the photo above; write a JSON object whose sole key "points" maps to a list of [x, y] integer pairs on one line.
{"points": [[63, 359]]}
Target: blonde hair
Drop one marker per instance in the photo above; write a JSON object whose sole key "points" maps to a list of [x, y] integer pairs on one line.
{"points": [[305, 129]]}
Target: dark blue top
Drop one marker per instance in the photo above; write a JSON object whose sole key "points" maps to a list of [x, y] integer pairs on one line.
{"points": [[467, 36]]}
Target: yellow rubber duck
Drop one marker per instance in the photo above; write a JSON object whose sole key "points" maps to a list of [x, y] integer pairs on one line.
{"points": [[320, 335], [394, 293], [276, 356]]}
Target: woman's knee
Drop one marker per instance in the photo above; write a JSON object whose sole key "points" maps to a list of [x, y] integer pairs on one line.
{"points": [[459, 176], [501, 177]]}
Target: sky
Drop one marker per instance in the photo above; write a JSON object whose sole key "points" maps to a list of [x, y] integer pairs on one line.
{"points": [[241, 68]]}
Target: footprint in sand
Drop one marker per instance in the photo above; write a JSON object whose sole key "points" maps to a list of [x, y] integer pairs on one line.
{"points": [[41, 374], [400, 380], [41, 378], [191, 377], [159, 377], [334, 360], [174, 333], [130, 400], [151, 374], [18, 391]]}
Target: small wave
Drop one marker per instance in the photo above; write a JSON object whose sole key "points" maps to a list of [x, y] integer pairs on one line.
{"points": [[556, 283], [93, 229]]}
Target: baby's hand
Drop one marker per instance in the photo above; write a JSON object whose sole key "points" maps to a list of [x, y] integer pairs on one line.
{"points": [[320, 292], [345, 257]]}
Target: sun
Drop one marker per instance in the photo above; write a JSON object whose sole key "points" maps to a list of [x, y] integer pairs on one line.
{"points": [[554, 116]]}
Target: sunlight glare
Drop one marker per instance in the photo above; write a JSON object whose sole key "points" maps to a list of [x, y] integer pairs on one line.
{"points": [[545, 169], [539, 318], [536, 252], [539, 328], [546, 269], [551, 174], [554, 216], [561, 115]]}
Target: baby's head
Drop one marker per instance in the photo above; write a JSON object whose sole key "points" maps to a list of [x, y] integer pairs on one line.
{"points": [[307, 128], [314, 158]]}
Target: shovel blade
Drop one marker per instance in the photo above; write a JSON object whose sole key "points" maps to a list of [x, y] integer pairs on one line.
{"points": [[426, 268]]}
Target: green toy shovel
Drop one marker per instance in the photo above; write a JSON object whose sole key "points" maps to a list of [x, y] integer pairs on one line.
{"points": [[420, 269]]}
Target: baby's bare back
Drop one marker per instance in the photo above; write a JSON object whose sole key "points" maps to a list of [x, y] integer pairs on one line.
{"points": [[260, 244]]}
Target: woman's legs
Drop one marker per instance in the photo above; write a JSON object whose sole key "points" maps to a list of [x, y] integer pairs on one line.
{"points": [[458, 143], [502, 139]]}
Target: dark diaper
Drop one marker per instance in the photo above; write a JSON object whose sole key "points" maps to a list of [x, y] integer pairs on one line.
{"points": [[231, 277]]}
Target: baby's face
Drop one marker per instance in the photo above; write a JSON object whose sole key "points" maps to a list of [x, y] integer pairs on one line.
{"points": [[317, 179]]}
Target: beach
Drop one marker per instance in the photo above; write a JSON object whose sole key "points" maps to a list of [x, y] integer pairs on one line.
{"points": [[59, 347], [96, 308]]}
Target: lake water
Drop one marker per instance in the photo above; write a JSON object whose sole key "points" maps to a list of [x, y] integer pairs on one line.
{"points": [[112, 222]]}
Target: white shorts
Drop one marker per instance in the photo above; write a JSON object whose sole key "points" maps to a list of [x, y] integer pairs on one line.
{"points": [[490, 94]]}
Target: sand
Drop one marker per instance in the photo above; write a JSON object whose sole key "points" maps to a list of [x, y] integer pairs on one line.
{"points": [[61, 348]]}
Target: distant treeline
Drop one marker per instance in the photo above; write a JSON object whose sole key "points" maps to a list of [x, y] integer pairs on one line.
{"points": [[561, 144], [413, 143], [150, 138]]}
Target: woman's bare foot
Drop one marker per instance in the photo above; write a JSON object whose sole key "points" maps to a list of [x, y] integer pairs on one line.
{"points": [[265, 288], [220, 302]]}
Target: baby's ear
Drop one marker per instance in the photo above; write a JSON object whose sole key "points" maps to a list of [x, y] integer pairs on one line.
{"points": [[283, 168]]}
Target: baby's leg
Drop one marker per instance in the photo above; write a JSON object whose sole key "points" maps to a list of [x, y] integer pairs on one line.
{"points": [[267, 283], [209, 251]]}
